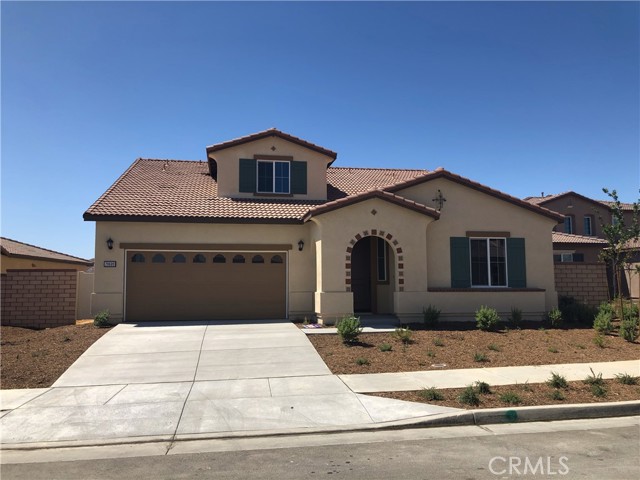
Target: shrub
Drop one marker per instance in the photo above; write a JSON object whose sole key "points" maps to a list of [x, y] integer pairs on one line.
{"points": [[430, 394], [430, 354], [349, 328], [493, 347], [629, 324], [576, 312], [438, 342], [101, 320], [515, 318], [487, 318], [603, 323], [431, 316], [526, 387], [557, 381], [480, 357], [511, 398], [606, 307], [483, 387], [627, 379], [469, 396], [599, 390], [600, 341], [557, 395], [594, 379], [362, 361], [403, 334], [385, 347], [555, 317]]}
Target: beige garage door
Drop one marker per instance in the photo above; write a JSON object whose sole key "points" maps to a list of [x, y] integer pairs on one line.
{"points": [[205, 285]]}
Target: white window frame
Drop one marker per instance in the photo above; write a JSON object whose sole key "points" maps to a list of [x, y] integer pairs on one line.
{"points": [[273, 171], [385, 274], [506, 265], [587, 220]]}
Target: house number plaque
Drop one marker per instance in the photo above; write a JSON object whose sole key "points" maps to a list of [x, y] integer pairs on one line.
{"points": [[109, 264]]}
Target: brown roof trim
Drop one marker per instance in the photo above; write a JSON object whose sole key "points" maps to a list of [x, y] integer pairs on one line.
{"points": [[382, 195], [442, 173], [174, 219], [272, 132]]}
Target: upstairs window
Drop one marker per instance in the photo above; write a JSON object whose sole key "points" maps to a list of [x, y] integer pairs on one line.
{"points": [[588, 227], [568, 224], [273, 177]]}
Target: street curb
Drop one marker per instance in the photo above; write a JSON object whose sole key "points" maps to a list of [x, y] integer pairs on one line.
{"points": [[489, 416]]}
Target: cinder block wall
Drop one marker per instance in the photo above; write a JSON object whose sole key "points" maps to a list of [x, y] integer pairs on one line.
{"points": [[586, 282], [39, 298]]}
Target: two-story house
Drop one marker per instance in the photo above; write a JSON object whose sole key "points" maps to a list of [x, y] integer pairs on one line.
{"points": [[267, 227]]}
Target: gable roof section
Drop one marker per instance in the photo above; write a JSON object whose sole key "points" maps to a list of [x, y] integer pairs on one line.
{"points": [[382, 195], [442, 173], [569, 238], [183, 191], [546, 199], [271, 132], [626, 207], [14, 248]]}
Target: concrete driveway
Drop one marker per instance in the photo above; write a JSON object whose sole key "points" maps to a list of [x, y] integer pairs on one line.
{"points": [[182, 380]]}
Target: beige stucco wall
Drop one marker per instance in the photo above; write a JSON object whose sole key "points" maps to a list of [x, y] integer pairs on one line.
{"points": [[84, 291], [29, 263], [228, 166], [633, 280], [467, 209], [109, 282]]}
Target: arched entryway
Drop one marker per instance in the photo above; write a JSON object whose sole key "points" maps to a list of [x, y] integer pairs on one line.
{"points": [[373, 275]]}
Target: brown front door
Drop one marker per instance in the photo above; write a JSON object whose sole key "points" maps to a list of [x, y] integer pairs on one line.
{"points": [[205, 285]]}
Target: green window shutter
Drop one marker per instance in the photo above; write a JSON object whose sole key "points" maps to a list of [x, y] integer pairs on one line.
{"points": [[516, 263], [247, 175], [299, 178], [460, 262]]}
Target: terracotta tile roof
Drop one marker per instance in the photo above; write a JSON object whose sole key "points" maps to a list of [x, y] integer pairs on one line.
{"points": [[176, 189], [547, 198], [626, 207], [13, 248], [633, 244], [560, 237], [271, 132], [386, 196], [442, 173]]}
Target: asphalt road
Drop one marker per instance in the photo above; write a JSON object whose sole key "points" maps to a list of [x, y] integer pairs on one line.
{"points": [[590, 449]]}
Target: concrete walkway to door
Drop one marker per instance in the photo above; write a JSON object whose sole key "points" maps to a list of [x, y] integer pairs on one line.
{"points": [[171, 381]]}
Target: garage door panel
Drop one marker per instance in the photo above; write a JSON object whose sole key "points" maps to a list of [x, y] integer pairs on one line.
{"points": [[205, 291]]}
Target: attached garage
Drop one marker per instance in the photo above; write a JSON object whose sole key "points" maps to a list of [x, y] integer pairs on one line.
{"points": [[205, 285]]}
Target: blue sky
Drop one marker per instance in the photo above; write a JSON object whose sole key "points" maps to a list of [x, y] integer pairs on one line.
{"points": [[524, 97]]}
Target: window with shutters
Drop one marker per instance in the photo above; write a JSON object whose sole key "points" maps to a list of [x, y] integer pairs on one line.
{"points": [[488, 262], [273, 176]]}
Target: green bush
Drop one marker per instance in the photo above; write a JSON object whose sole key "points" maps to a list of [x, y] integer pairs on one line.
{"points": [[603, 323], [362, 361], [483, 387], [630, 311], [101, 320], [511, 398], [576, 312], [349, 328], [430, 394], [598, 390], [438, 342], [607, 308], [557, 395], [555, 317], [629, 328], [493, 347], [557, 381], [403, 334], [627, 379], [487, 318], [594, 379], [600, 341], [385, 347], [480, 357], [431, 316], [515, 318], [469, 396]]}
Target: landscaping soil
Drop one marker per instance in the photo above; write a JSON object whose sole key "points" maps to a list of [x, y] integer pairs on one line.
{"points": [[456, 347], [529, 395], [36, 358]]}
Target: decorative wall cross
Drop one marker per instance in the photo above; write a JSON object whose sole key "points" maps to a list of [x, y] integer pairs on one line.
{"points": [[439, 200]]}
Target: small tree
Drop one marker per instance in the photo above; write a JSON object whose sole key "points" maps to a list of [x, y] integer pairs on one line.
{"points": [[619, 236]]}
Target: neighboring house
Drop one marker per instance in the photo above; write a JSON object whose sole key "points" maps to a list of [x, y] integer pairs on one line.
{"points": [[568, 248], [268, 228], [19, 255], [632, 270]]}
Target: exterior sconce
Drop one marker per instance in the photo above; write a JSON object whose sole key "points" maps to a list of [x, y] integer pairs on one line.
{"points": [[110, 244], [300, 245]]}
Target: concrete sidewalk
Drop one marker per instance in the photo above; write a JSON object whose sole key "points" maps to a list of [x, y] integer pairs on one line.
{"points": [[167, 381]]}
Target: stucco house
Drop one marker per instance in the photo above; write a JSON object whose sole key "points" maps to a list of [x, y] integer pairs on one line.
{"points": [[267, 227]]}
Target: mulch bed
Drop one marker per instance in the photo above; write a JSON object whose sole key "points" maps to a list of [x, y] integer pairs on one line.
{"points": [[456, 347], [36, 358], [529, 395]]}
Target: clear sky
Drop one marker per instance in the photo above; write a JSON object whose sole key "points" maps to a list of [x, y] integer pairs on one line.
{"points": [[524, 97]]}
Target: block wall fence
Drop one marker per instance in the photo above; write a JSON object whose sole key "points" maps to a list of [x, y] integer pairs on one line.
{"points": [[586, 282]]}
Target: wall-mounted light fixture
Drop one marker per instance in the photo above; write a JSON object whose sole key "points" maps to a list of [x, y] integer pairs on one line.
{"points": [[300, 245], [110, 244]]}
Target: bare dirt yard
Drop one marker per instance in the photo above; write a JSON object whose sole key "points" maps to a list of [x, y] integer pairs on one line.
{"points": [[36, 358], [458, 346]]}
